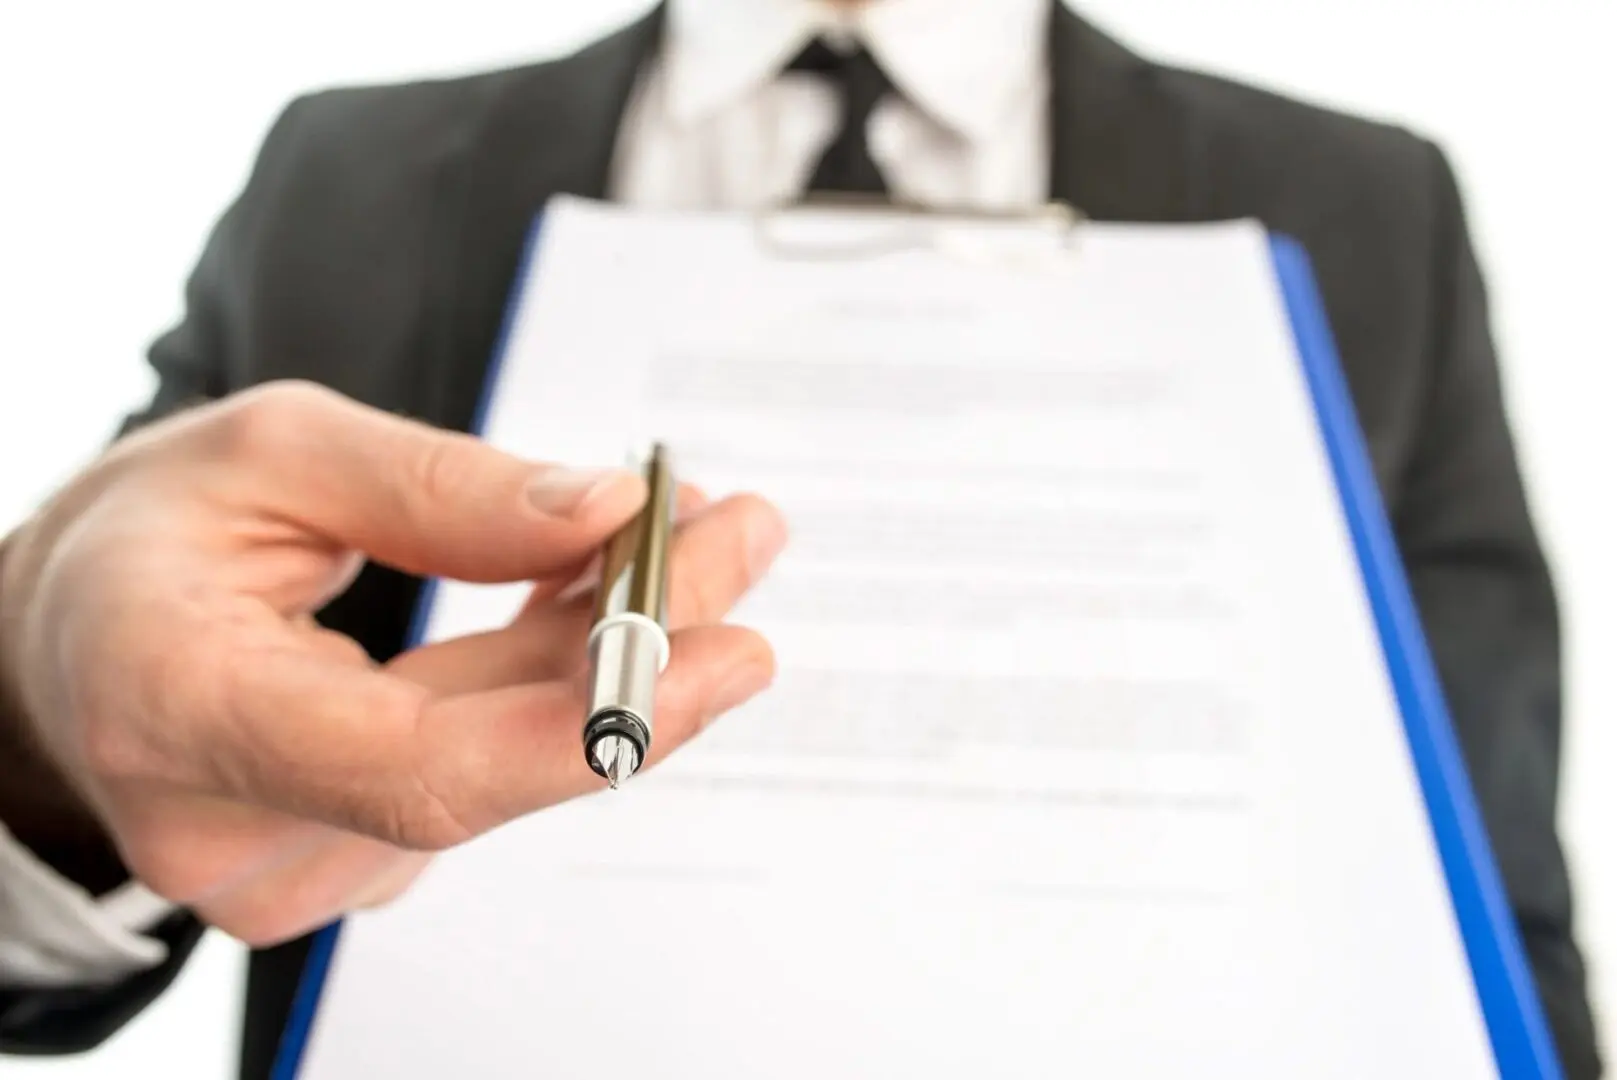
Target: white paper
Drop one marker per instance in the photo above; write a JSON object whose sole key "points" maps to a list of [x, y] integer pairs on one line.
{"points": [[1082, 761]]}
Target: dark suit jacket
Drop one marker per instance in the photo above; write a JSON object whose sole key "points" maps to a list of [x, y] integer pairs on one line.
{"points": [[374, 244]]}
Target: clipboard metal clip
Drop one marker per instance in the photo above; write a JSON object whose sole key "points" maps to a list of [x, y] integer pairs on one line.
{"points": [[844, 228]]}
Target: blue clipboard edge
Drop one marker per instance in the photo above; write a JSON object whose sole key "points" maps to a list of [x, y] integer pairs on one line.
{"points": [[1508, 996]]}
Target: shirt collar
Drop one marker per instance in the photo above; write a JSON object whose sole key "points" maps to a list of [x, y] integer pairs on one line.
{"points": [[964, 63]]}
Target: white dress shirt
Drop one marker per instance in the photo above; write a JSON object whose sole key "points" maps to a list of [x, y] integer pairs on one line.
{"points": [[713, 124], [53, 933]]}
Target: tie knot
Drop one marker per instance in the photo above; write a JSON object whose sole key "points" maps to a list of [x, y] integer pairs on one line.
{"points": [[858, 77], [846, 166]]}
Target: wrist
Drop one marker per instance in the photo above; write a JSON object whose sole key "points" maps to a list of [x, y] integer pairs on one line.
{"points": [[38, 804]]}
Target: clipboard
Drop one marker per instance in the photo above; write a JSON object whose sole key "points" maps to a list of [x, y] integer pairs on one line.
{"points": [[1518, 1032]]}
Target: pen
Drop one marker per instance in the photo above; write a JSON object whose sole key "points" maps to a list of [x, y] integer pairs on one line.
{"points": [[628, 642]]}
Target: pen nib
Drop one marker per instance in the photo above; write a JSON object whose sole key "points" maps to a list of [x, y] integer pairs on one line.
{"points": [[616, 758]]}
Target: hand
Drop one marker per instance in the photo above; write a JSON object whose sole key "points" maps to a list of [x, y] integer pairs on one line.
{"points": [[156, 637]]}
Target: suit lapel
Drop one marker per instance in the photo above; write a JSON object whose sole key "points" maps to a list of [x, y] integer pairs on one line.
{"points": [[549, 129], [1120, 148]]}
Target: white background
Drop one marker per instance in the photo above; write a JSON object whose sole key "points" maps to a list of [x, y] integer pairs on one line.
{"points": [[125, 127]]}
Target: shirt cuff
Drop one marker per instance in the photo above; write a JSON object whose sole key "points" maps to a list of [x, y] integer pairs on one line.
{"points": [[54, 934]]}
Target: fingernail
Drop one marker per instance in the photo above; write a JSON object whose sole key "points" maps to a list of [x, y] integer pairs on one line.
{"points": [[745, 683], [766, 538], [566, 492]]}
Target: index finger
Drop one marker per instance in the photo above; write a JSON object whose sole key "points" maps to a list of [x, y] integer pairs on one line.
{"points": [[423, 500]]}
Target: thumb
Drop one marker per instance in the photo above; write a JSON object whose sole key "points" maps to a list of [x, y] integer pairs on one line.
{"points": [[423, 500]]}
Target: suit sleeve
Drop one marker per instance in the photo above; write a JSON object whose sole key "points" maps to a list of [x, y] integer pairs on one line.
{"points": [[1488, 603], [194, 362]]}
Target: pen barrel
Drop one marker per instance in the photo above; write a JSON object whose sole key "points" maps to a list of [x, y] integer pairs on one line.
{"points": [[629, 641], [626, 656]]}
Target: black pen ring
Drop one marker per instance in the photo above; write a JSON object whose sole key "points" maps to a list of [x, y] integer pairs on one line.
{"points": [[619, 722]]}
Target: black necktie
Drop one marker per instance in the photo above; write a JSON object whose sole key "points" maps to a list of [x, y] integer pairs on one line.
{"points": [[847, 167]]}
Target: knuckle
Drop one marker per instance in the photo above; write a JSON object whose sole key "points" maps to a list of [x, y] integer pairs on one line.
{"points": [[165, 865], [250, 932], [256, 929], [702, 598], [423, 824], [270, 912], [438, 471], [421, 820], [274, 907], [261, 420], [388, 887], [711, 586], [403, 808], [340, 648]]}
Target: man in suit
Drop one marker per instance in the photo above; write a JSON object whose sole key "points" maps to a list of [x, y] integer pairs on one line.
{"points": [[374, 244]]}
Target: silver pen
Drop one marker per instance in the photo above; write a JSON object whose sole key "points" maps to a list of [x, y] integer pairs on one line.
{"points": [[628, 642]]}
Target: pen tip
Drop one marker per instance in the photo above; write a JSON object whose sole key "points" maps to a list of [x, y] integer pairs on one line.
{"points": [[616, 758]]}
